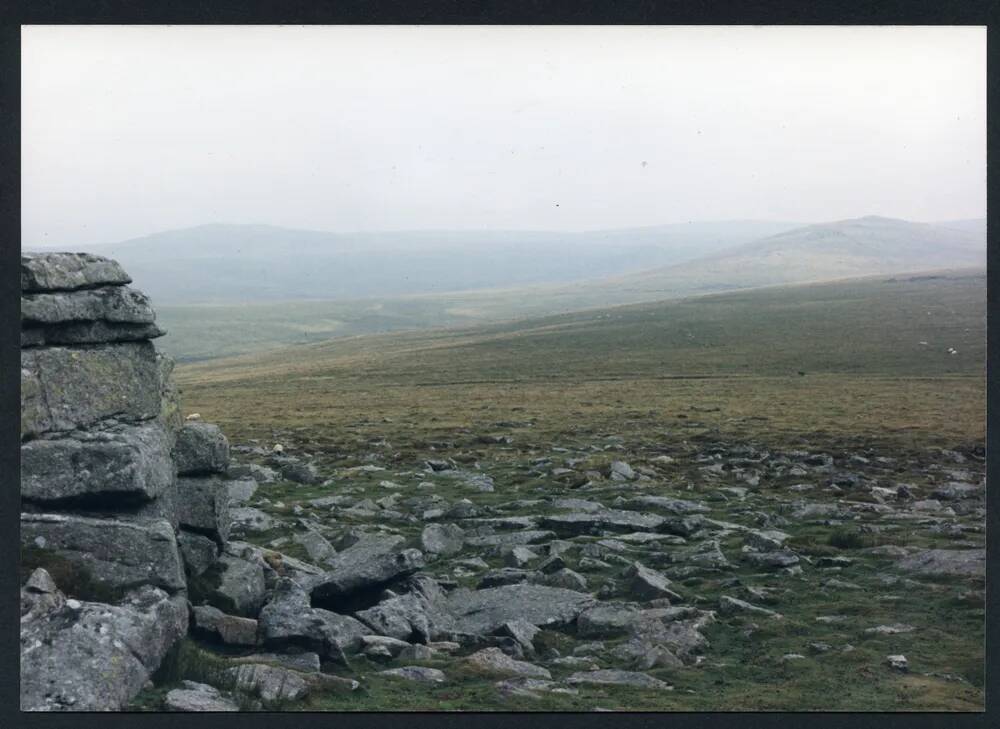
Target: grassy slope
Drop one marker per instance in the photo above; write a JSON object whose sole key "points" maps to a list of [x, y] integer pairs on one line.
{"points": [[858, 342], [814, 253], [667, 377]]}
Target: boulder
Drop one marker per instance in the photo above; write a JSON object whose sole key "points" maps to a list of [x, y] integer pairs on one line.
{"points": [[316, 546], [419, 614], [197, 697], [673, 506], [523, 634], [772, 560], [495, 662], [483, 612], [966, 562], [731, 605], [368, 564], [86, 656], [298, 472], [239, 582], [111, 304], [444, 539], [121, 465], [198, 552], [577, 523], [88, 332], [64, 389], [246, 519], [606, 619], [203, 506], [116, 553], [618, 678], [416, 673], [287, 620], [230, 629], [201, 448], [271, 683], [68, 271], [647, 584], [305, 662]]}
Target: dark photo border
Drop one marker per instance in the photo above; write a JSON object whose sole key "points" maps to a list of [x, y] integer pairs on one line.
{"points": [[14, 13]]}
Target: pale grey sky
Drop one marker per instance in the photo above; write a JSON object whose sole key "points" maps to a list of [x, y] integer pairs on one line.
{"points": [[133, 130]]}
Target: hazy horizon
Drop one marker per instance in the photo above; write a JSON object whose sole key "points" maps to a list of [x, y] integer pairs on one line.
{"points": [[129, 131]]}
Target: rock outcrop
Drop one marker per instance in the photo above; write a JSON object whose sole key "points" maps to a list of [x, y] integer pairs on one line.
{"points": [[103, 509]]}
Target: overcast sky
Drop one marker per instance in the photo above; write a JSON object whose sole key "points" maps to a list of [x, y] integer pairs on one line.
{"points": [[132, 130]]}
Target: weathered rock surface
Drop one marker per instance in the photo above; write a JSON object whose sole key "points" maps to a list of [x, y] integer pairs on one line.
{"points": [[495, 662], [971, 562], [128, 463], [618, 678], [442, 539], [288, 620], [64, 389], [482, 612], [198, 552], [201, 448], [239, 584], [197, 697], [230, 629], [117, 553], [599, 521], [68, 271], [111, 304], [95, 657], [203, 506], [417, 673], [88, 332], [365, 565], [419, 614]]}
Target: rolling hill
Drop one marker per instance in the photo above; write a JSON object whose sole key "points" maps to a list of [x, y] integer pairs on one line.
{"points": [[896, 325], [253, 263], [831, 251], [842, 249]]}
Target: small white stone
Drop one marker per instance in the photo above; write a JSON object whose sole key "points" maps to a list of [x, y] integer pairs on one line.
{"points": [[73, 604]]}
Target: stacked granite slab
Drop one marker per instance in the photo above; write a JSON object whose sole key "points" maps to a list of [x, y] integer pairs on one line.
{"points": [[103, 509]]}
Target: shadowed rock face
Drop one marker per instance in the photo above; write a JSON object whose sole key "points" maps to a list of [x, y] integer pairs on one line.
{"points": [[118, 553], [129, 462]]}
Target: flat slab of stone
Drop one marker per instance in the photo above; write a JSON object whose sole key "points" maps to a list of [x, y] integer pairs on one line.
{"points": [[230, 629], [88, 332], [128, 464], [65, 389], [366, 564], [496, 662], [483, 612], [417, 673], [599, 521], [112, 304], [618, 678], [197, 697], [118, 553], [69, 271], [967, 562]]}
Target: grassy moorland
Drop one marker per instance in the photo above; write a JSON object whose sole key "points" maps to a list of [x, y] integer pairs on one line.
{"points": [[833, 413]]}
